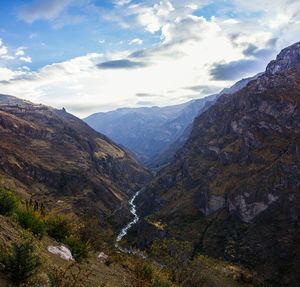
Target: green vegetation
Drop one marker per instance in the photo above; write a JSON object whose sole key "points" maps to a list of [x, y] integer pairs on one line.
{"points": [[22, 262], [72, 276], [169, 263], [32, 217], [58, 228], [79, 248], [32, 221], [8, 202], [144, 272]]}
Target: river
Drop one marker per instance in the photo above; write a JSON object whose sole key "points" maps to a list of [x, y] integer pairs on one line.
{"points": [[132, 222]]}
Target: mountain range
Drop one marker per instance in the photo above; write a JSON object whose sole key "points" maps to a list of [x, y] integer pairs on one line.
{"points": [[154, 134]]}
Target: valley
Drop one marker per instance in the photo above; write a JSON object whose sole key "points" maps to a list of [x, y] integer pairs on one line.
{"points": [[205, 193]]}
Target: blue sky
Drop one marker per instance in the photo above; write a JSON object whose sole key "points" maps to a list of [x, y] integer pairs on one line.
{"points": [[91, 55]]}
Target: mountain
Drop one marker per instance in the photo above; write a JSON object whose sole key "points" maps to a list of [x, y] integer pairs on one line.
{"points": [[233, 190], [154, 134], [144, 131], [55, 158]]}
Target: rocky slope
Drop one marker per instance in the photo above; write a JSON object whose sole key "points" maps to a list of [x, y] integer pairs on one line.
{"points": [[233, 190], [58, 159]]}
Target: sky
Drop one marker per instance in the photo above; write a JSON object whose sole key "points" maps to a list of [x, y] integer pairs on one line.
{"points": [[98, 55]]}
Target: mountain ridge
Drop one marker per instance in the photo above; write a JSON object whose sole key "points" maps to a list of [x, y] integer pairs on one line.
{"points": [[154, 134], [233, 189], [55, 155]]}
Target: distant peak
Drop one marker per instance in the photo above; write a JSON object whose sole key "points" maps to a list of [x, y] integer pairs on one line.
{"points": [[287, 58]]}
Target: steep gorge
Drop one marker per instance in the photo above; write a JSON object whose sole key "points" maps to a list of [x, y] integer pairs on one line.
{"points": [[232, 191]]}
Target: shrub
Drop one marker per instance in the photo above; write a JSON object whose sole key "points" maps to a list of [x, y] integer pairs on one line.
{"points": [[71, 276], [22, 262], [80, 249], [8, 202], [28, 219], [58, 228], [160, 283], [144, 272]]}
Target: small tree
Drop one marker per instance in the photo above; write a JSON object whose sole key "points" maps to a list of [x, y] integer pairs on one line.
{"points": [[8, 202], [22, 262], [32, 221], [58, 228]]}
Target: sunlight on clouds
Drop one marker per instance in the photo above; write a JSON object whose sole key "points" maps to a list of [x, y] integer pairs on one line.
{"points": [[192, 54], [78, 80]]}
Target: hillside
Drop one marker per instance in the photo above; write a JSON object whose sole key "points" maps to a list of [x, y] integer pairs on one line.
{"points": [[55, 158], [232, 191]]}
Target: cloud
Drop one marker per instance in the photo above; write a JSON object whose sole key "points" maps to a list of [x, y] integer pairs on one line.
{"points": [[146, 95], [26, 59], [136, 41], [121, 3], [152, 18], [55, 11], [204, 89], [121, 64], [190, 55], [20, 51], [3, 49], [43, 10], [233, 70]]}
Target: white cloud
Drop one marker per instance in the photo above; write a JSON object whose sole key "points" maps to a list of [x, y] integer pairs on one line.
{"points": [[152, 18], [193, 51], [6, 74], [136, 41], [26, 59], [3, 49], [176, 63], [121, 3], [33, 35], [43, 10], [56, 11], [20, 51]]}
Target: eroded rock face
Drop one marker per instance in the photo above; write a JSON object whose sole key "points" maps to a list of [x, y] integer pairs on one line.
{"points": [[288, 58], [237, 179]]}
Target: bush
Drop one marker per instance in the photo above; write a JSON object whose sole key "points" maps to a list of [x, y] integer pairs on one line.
{"points": [[8, 202], [28, 219], [79, 248], [160, 283], [71, 276], [58, 228], [22, 262], [143, 272]]}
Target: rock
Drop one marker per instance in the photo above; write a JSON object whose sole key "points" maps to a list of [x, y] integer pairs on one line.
{"points": [[62, 251], [102, 257], [287, 58]]}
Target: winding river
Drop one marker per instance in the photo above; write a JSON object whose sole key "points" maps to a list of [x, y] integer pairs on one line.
{"points": [[125, 229]]}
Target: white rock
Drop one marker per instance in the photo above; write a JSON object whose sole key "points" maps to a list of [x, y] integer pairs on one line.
{"points": [[62, 251], [102, 257]]}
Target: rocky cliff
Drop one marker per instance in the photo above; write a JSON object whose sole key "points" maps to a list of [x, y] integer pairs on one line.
{"points": [[233, 190], [56, 158]]}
